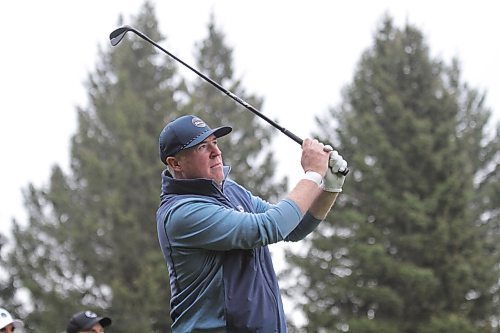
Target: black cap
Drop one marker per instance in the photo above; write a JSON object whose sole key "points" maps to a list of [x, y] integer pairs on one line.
{"points": [[85, 320], [186, 132]]}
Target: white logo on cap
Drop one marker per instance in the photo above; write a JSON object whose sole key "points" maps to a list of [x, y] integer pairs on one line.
{"points": [[198, 122], [90, 314]]}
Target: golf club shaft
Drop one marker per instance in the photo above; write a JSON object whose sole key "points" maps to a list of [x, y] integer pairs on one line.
{"points": [[117, 35]]}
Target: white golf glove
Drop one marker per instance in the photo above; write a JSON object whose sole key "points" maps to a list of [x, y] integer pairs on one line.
{"points": [[334, 180]]}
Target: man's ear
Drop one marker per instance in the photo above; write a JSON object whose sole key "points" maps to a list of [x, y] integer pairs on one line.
{"points": [[173, 163]]}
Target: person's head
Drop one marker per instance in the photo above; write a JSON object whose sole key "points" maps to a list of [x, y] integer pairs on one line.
{"points": [[188, 146], [87, 321], [7, 323]]}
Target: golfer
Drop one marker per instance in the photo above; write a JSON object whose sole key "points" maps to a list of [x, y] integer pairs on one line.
{"points": [[214, 233]]}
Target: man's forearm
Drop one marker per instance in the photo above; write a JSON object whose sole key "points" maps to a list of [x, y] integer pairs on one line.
{"points": [[305, 194], [323, 204]]}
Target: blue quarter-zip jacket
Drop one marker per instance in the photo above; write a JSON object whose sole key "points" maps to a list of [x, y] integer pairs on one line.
{"points": [[214, 242]]}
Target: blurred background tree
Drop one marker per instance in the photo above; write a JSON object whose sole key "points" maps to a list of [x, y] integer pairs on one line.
{"points": [[413, 242], [90, 241]]}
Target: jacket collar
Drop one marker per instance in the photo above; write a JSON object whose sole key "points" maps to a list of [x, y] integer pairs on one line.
{"points": [[199, 186]]}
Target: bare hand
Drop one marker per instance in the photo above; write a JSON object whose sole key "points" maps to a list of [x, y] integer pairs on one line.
{"points": [[314, 157]]}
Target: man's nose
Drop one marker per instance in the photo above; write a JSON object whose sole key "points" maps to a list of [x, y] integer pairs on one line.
{"points": [[215, 151]]}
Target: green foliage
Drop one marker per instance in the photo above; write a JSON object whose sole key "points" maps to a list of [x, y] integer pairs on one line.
{"points": [[91, 237], [7, 283], [448, 324], [413, 242]]}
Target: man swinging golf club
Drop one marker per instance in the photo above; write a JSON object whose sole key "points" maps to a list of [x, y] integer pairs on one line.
{"points": [[214, 233]]}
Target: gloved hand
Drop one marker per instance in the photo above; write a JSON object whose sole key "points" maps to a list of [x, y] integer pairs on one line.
{"points": [[334, 180]]}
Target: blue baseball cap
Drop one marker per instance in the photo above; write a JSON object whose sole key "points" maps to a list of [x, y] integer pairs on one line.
{"points": [[186, 132]]}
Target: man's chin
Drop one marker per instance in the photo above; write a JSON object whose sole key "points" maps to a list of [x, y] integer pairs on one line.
{"points": [[218, 175]]}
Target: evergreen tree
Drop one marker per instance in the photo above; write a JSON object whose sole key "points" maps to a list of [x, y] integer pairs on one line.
{"points": [[7, 288], [91, 242], [248, 148], [412, 245]]}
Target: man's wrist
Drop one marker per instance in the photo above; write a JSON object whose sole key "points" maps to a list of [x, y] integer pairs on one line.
{"points": [[314, 176]]}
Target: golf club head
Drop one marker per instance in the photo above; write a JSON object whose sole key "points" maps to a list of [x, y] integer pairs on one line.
{"points": [[117, 35]]}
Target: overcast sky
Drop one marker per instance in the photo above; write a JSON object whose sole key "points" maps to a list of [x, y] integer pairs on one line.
{"points": [[296, 54]]}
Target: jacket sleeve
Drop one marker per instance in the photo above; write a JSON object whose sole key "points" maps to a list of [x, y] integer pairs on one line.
{"points": [[304, 228], [208, 225]]}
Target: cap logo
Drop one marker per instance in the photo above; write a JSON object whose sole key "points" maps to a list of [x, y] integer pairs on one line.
{"points": [[198, 122], [90, 314]]}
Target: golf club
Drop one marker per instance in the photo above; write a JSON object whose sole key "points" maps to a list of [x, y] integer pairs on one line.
{"points": [[117, 35]]}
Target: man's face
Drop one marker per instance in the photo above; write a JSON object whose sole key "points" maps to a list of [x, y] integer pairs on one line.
{"points": [[97, 328], [7, 329], [202, 161]]}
